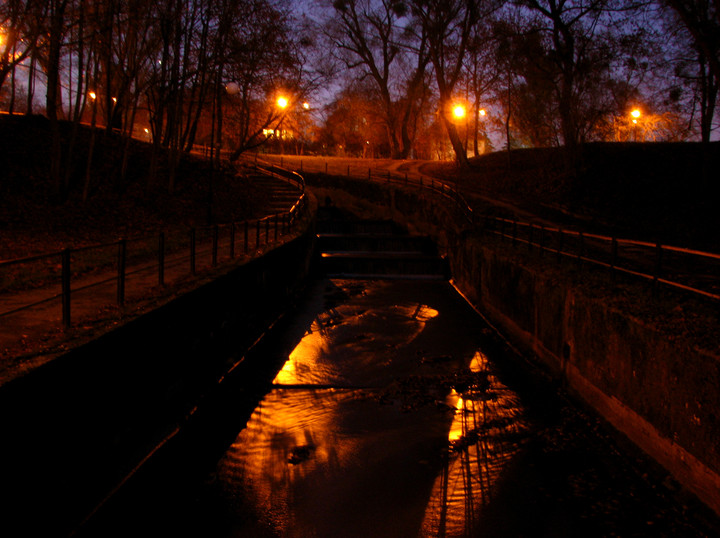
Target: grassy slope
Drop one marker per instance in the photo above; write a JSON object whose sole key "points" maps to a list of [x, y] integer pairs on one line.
{"points": [[34, 218], [647, 191], [654, 191]]}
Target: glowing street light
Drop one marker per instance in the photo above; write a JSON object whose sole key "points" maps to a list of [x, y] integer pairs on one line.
{"points": [[92, 95], [482, 112], [458, 112], [306, 105], [635, 114], [282, 102]]}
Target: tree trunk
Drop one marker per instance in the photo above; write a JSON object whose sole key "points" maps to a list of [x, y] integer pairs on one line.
{"points": [[455, 141], [53, 93]]}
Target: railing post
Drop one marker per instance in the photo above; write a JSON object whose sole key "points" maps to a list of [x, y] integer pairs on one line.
{"points": [[530, 237], [257, 234], [65, 286], [406, 178], [277, 217], [215, 246], [161, 259], [232, 240], [658, 263], [192, 251], [369, 176], [122, 258], [267, 230], [581, 249], [560, 244], [246, 232], [348, 170], [325, 167]]}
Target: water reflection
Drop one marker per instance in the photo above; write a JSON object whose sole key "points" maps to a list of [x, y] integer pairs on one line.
{"points": [[349, 343], [333, 463], [416, 452], [486, 432]]}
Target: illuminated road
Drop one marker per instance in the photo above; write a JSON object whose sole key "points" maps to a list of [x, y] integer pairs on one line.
{"points": [[393, 411]]}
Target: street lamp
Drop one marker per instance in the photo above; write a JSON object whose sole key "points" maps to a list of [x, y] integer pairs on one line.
{"points": [[93, 97], [458, 112], [282, 103], [635, 114]]}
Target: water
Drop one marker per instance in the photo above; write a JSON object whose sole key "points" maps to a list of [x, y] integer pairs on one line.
{"points": [[395, 411], [410, 453]]}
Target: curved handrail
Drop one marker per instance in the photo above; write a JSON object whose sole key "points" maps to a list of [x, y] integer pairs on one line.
{"points": [[654, 258], [274, 225]]}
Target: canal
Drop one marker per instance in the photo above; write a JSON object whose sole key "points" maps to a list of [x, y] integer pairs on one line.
{"points": [[390, 408]]}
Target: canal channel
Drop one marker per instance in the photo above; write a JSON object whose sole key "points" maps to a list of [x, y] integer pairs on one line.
{"points": [[389, 407]]}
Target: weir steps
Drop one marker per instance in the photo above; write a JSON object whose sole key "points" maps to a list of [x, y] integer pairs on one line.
{"points": [[375, 249]]}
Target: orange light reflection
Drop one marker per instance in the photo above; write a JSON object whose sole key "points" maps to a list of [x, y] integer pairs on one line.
{"points": [[477, 454], [303, 359]]}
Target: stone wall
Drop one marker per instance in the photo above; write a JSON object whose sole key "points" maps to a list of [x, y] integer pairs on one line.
{"points": [[646, 361], [649, 363], [75, 427]]}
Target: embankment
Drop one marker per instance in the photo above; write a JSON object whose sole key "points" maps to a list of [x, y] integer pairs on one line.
{"points": [[649, 363], [74, 428]]}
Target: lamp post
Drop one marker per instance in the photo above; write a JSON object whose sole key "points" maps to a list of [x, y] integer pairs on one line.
{"points": [[282, 103], [459, 113], [93, 96], [480, 117], [635, 114]]}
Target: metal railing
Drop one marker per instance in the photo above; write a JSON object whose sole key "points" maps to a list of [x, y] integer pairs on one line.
{"points": [[33, 281], [685, 269], [689, 270], [680, 268]]}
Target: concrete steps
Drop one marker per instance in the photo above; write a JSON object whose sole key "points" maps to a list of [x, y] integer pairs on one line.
{"points": [[282, 194]]}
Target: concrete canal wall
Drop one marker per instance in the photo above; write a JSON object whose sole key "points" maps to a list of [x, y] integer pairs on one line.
{"points": [[107, 404], [649, 366], [647, 375]]}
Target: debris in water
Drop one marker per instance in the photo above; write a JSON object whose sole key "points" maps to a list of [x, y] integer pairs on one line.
{"points": [[436, 359], [300, 453]]}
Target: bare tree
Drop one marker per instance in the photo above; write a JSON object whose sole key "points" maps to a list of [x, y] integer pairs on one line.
{"points": [[378, 39], [264, 62], [448, 25], [22, 23], [701, 19]]}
